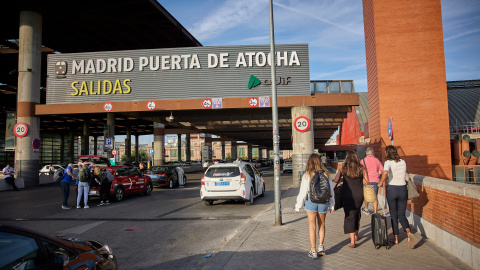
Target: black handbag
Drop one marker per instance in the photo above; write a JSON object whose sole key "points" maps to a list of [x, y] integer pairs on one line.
{"points": [[338, 195]]}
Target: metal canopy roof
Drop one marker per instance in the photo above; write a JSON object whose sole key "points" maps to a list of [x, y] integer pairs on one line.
{"points": [[71, 26]]}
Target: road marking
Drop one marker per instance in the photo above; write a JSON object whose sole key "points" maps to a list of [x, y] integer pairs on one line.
{"points": [[79, 229]]}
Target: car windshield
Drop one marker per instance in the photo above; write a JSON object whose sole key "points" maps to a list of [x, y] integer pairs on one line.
{"points": [[158, 169], [223, 172]]}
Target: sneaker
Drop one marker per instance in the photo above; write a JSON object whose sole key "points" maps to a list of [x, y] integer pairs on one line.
{"points": [[66, 207], [107, 203], [366, 212], [387, 214], [313, 254], [78, 207], [321, 250], [101, 204], [86, 206]]}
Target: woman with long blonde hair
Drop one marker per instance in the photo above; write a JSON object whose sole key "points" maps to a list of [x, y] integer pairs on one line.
{"points": [[316, 212]]}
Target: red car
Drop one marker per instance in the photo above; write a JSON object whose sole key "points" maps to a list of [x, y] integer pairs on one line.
{"points": [[127, 180]]}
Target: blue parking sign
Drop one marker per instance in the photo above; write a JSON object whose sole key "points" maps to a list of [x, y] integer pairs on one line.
{"points": [[151, 151]]}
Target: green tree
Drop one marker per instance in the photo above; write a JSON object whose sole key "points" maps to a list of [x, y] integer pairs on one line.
{"points": [[228, 156], [143, 155]]}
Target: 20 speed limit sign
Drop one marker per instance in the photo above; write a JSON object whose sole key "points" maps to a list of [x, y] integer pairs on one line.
{"points": [[107, 106], [151, 105], [207, 103], [20, 129], [253, 102], [302, 124]]}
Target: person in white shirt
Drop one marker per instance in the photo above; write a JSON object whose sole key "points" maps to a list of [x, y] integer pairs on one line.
{"points": [[8, 174], [395, 169], [181, 176], [316, 212]]}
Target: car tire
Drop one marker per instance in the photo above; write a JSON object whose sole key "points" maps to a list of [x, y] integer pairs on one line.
{"points": [[119, 193], [263, 191], [148, 189], [170, 184], [208, 202], [184, 180], [250, 201]]}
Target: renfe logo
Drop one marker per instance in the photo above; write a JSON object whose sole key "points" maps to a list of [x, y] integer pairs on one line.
{"points": [[254, 81]]}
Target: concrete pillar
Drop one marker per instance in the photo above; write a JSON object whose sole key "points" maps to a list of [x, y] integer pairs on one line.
{"points": [[223, 150], [188, 153], [85, 139], [128, 144], [249, 151], [62, 148], [110, 132], [303, 143], [137, 154], [233, 150], [260, 153], [158, 143], [207, 148], [29, 71], [179, 147], [268, 153], [95, 145], [71, 146]]}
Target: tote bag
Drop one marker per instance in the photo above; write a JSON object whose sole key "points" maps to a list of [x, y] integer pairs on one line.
{"points": [[411, 187]]}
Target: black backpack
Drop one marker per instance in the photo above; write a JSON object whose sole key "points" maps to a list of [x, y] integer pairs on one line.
{"points": [[319, 188], [58, 175]]}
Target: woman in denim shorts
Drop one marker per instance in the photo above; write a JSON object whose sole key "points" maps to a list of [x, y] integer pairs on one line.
{"points": [[316, 212]]}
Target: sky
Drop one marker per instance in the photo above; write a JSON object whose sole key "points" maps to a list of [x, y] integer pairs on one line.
{"points": [[333, 30]]}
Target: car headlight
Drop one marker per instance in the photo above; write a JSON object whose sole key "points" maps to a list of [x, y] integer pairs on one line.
{"points": [[105, 250]]}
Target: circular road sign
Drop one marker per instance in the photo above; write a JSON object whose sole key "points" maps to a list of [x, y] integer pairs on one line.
{"points": [[114, 152], [390, 128], [107, 106], [36, 144], [302, 124], [20, 129], [151, 105], [253, 102], [207, 103]]}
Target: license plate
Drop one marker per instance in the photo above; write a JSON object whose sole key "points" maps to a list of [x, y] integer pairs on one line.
{"points": [[93, 192], [222, 183]]}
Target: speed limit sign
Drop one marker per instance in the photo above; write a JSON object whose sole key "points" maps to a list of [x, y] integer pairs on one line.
{"points": [[107, 106], [207, 103], [151, 105], [253, 102], [302, 124], [114, 152], [20, 129]]}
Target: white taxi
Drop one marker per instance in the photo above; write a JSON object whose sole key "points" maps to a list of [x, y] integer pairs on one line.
{"points": [[232, 181]]}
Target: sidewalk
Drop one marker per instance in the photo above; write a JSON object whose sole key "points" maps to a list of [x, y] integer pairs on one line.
{"points": [[261, 245]]}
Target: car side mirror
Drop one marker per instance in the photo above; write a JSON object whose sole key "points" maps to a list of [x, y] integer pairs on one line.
{"points": [[59, 260]]}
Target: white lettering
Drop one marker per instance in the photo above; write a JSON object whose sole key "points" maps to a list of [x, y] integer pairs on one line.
{"points": [[223, 60], [212, 60], [78, 66], [101, 66], [143, 62], [241, 60], [294, 59], [128, 64], [260, 62], [111, 63], [250, 58], [90, 67], [185, 60], [165, 61], [195, 63], [119, 64], [176, 62], [154, 63], [281, 58]]}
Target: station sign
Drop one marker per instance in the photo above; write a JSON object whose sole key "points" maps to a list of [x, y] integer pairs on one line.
{"points": [[176, 73]]}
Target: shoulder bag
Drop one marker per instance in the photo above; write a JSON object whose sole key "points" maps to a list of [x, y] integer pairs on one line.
{"points": [[338, 194], [411, 187], [368, 190]]}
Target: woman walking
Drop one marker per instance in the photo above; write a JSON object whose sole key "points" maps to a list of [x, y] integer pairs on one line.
{"points": [[395, 169], [316, 212], [354, 177], [105, 185]]}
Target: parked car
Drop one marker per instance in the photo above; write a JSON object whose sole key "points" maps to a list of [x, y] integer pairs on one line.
{"points": [[287, 166], [127, 180], [232, 181], [22, 248], [97, 161], [46, 170], [164, 176]]}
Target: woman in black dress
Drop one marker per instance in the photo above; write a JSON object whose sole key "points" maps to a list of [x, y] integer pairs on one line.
{"points": [[354, 177]]}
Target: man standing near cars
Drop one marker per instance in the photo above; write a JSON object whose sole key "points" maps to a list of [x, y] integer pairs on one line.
{"points": [[181, 176], [65, 185], [8, 174], [373, 166]]}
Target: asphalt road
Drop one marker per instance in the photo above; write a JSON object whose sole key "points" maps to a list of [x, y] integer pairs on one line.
{"points": [[170, 229]]}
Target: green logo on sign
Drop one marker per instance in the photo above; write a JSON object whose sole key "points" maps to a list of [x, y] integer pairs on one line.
{"points": [[254, 81]]}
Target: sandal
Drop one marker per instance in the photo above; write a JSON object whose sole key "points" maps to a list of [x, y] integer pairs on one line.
{"points": [[356, 238], [393, 241], [351, 245], [411, 241]]}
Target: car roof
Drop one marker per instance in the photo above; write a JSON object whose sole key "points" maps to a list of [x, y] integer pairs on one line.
{"points": [[229, 165]]}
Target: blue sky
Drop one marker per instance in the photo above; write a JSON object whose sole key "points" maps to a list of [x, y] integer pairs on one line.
{"points": [[332, 28]]}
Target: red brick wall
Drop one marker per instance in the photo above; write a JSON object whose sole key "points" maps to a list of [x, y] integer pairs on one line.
{"points": [[407, 81], [350, 131], [455, 213]]}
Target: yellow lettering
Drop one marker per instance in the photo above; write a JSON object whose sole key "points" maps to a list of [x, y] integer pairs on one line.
{"points": [[118, 87], [91, 89], [74, 88], [105, 92], [126, 85], [84, 88], [99, 87]]}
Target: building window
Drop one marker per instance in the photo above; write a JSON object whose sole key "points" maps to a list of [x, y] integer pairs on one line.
{"points": [[173, 153]]}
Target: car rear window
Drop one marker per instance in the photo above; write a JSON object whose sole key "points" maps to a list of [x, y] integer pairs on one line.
{"points": [[223, 172]]}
